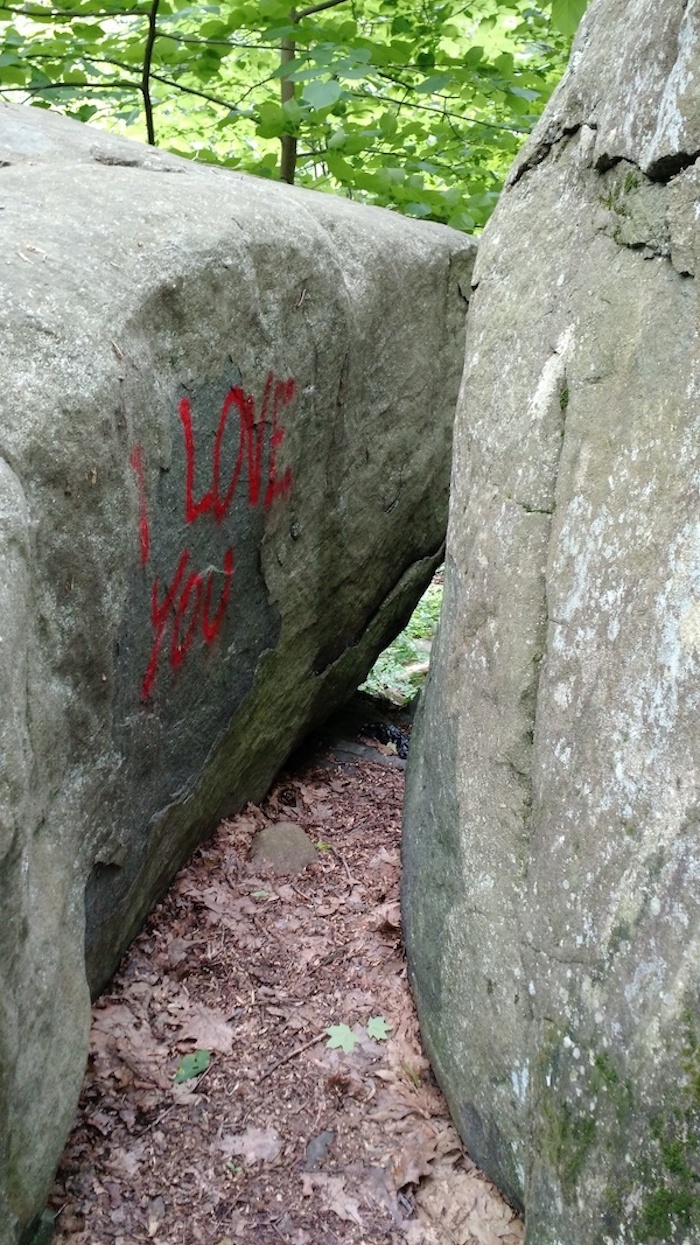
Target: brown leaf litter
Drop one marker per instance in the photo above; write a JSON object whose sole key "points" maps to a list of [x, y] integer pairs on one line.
{"points": [[280, 1138]]}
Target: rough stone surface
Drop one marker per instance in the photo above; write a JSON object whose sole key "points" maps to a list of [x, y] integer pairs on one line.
{"points": [[225, 426], [284, 847], [552, 836]]}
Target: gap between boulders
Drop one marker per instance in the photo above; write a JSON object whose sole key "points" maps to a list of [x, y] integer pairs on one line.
{"points": [[282, 1137]]}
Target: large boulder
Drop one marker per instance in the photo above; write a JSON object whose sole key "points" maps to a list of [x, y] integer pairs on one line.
{"points": [[552, 834], [225, 429]]}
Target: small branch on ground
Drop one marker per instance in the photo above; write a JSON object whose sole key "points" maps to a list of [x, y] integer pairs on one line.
{"points": [[298, 1050]]}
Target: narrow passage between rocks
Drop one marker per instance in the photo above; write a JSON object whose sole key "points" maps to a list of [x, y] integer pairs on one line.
{"points": [[316, 1118]]}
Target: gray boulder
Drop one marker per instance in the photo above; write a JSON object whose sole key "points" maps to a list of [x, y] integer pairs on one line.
{"points": [[552, 831], [225, 428]]}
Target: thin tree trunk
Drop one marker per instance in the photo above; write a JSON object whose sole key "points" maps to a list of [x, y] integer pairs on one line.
{"points": [[146, 75], [288, 160], [288, 49]]}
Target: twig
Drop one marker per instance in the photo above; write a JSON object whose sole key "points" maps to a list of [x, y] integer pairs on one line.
{"points": [[339, 856], [299, 1050], [159, 1118]]}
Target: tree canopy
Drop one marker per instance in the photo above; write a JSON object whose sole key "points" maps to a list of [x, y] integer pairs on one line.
{"points": [[418, 105]]}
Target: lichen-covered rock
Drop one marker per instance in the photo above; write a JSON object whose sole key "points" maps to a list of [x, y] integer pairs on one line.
{"points": [[552, 836], [225, 427]]}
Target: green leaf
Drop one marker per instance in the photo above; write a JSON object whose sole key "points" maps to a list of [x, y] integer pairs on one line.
{"points": [[474, 56], [192, 1065], [293, 110], [378, 1028], [89, 31], [15, 73], [341, 1037], [417, 210], [273, 8], [320, 94], [566, 15], [388, 124], [214, 29], [271, 120], [430, 86]]}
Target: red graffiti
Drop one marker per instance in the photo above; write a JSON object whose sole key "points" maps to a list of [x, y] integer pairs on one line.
{"points": [[185, 605], [249, 451]]}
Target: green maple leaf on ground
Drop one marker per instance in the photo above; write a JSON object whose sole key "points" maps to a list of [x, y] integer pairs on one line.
{"points": [[378, 1028], [192, 1065], [341, 1037]]}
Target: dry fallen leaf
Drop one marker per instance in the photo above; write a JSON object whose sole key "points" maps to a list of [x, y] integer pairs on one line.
{"points": [[254, 1145], [208, 1029], [332, 1189], [116, 1031], [127, 1162], [183, 1094], [156, 1211], [412, 1160], [461, 1205]]}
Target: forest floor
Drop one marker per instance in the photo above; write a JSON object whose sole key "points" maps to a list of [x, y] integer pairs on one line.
{"points": [[256, 1073]]}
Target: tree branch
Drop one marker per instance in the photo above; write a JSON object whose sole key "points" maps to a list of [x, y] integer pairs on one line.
{"points": [[191, 90], [126, 84], [67, 86], [409, 103], [317, 8]]}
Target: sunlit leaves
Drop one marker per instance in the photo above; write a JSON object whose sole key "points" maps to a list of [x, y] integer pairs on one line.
{"points": [[418, 107]]}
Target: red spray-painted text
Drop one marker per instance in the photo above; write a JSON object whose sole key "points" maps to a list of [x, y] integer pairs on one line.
{"points": [[184, 607]]}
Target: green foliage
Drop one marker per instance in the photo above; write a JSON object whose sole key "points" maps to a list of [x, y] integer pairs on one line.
{"points": [[341, 1037], [400, 670], [414, 105], [192, 1065], [426, 615], [378, 1028]]}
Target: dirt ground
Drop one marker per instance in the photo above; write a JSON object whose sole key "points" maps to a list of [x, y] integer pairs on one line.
{"points": [[290, 1132]]}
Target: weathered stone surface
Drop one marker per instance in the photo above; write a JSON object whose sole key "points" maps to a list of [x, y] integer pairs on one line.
{"points": [[552, 836], [283, 847], [225, 427]]}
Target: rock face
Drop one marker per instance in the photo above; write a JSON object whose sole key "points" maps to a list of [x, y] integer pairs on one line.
{"points": [[552, 836], [225, 429]]}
